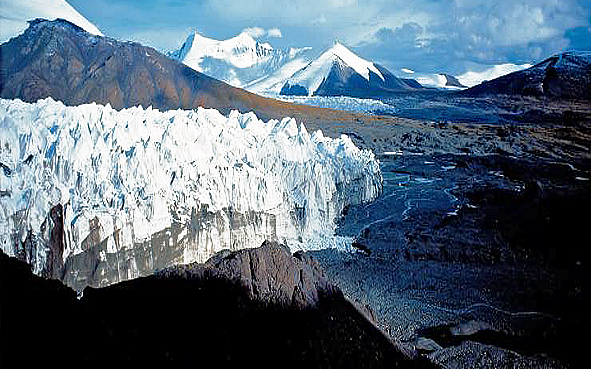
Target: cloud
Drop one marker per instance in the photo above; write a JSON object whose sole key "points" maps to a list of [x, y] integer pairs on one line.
{"points": [[254, 32], [258, 32], [457, 36], [274, 32], [407, 35]]}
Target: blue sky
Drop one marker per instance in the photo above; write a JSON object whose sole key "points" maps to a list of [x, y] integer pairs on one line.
{"points": [[428, 36]]}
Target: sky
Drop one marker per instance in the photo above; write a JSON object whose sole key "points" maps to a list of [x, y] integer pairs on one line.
{"points": [[425, 36]]}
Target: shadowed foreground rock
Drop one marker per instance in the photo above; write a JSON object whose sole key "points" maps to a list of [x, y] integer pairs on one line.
{"points": [[262, 307]]}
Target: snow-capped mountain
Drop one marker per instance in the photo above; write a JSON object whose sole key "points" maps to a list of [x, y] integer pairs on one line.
{"points": [[239, 60], [566, 75], [93, 196], [16, 13], [340, 72]]}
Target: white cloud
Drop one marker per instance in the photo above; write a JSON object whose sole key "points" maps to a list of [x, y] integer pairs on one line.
{"points": [[274, 32], [406, 70], [254, 32], [258, 32], [458, 36]]}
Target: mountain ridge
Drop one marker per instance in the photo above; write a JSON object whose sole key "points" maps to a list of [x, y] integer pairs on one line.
{"points": [[340, 72], [16, 17], [566, 75], [239, 60]]}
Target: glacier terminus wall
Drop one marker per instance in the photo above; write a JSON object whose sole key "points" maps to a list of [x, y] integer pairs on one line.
{"points": [[93, 196]]}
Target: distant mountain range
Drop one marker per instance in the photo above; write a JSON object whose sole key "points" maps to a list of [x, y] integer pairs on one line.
{"points": [[340, 72], [244, 62], [567, 75], [240, 60]]}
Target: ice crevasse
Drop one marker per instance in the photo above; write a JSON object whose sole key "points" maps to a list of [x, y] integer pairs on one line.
{"points": [[94, 196]]}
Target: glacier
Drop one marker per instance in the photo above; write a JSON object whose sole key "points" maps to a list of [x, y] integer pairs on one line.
{"points": [[109, 195], [344, 103]]}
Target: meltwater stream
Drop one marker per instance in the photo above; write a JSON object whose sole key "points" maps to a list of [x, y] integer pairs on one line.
{"points": [[411, 183]]}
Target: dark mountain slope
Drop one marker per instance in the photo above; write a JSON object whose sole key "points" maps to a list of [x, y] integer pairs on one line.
{"points": [[566, 75]]}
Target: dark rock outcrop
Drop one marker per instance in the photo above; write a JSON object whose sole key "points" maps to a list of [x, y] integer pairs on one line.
{"points": [[51, 239], [197, 314], [566, 76], [270, 274], [412, 83]]}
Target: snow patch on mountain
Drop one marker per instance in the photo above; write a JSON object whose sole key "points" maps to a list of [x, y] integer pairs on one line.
{"points": [[14, 15], [273, 82], [145, 189], [432, 80], [473, 78]]}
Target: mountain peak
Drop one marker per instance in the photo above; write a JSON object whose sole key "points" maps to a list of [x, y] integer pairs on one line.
{"points": [[243, 36], [360, 65], [340, 72], [17, 14], [238, 60], [58, 21]]}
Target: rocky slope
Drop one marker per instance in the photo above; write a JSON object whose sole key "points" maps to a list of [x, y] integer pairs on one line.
{"points": [[260, 308], [475, 260], [59, 59], [566, 76]]}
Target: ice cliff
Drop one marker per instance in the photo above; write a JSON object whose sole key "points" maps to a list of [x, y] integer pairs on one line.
{"points": [[92, 196]]}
